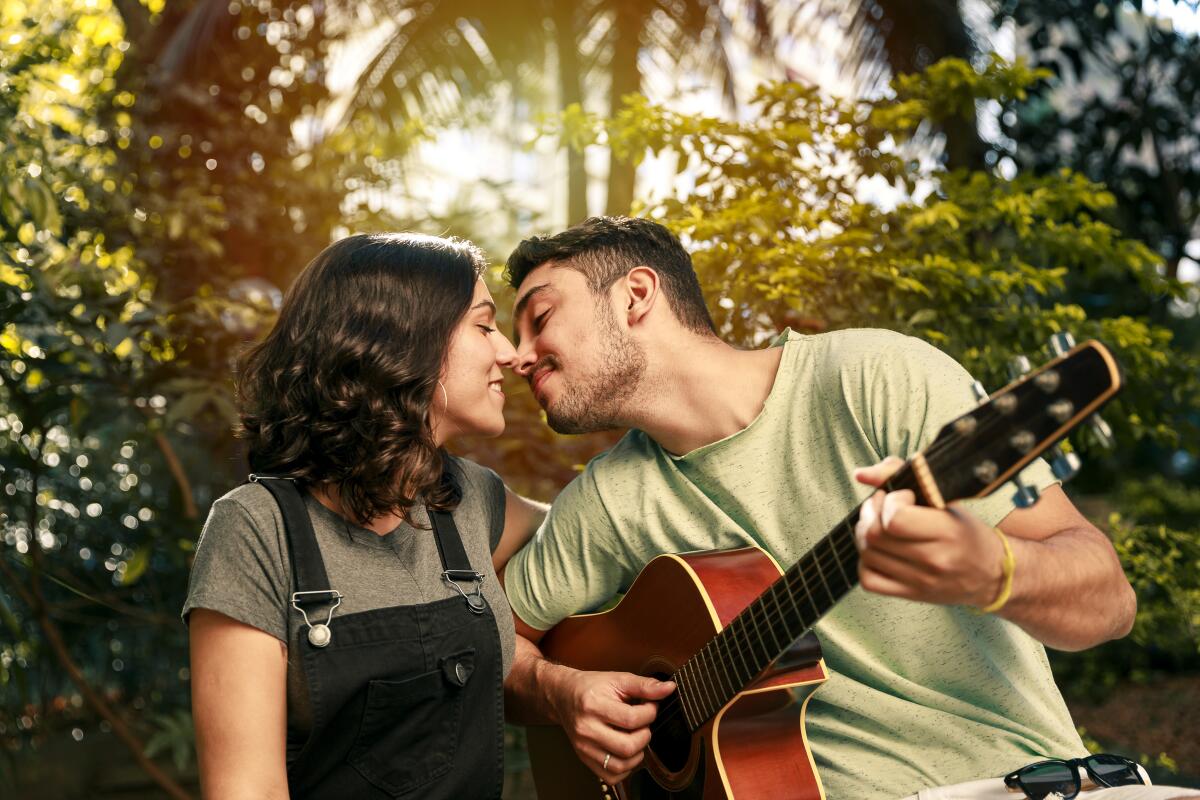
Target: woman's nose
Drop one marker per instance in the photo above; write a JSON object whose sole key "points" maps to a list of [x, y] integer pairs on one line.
{"points": [[506, 354]]}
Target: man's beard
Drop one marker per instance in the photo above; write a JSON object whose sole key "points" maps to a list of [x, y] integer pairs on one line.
{"points": [[596, 402]]}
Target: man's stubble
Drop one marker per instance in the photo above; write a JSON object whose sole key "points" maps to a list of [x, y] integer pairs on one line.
{"points": [[597, 401]]}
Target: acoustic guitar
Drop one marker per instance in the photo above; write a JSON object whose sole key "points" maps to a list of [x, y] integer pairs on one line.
{"points": [[734, 630]]}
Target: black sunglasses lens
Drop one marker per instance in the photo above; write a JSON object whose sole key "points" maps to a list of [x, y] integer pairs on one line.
{"points": [[1112, 770], [1054, 777]]}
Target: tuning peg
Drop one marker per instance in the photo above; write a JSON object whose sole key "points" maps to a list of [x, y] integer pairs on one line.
{"points": [[1018, 366], [981, 394], [1061, 343], [1102, 431], [1026, 495], [1064, 465]]}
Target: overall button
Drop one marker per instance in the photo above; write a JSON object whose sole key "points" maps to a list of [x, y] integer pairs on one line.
{"points": [[458, 667], [319, 635]]}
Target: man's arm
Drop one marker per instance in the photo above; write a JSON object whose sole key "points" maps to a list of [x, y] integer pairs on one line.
{"points": [[606, 715], [1068, 591], [522, 517]]}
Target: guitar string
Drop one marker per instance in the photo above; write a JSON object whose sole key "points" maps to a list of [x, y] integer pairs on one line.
{"points": [[833, 543]]}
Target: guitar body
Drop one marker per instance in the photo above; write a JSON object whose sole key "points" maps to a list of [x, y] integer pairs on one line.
{"points": [[754, 747]]}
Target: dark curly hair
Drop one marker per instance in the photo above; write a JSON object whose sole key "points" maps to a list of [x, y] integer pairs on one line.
{"points": [[339, 391]]}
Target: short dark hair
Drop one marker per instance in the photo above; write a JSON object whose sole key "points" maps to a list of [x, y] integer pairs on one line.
{"points": [[605, 248], [339, 390]]}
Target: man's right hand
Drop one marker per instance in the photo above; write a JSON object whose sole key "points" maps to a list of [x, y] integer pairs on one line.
{"points": [[606, 715]]}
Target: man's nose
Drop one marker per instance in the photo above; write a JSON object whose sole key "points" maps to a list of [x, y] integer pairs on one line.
{"points": [[526, 358]]}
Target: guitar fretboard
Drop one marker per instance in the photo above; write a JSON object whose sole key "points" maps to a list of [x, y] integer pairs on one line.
{"points": [[766, 628]]}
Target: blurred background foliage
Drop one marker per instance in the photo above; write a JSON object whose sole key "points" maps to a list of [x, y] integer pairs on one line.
{"points": [[166, 168]]}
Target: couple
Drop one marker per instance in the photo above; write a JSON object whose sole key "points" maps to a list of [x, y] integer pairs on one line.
{"points": [[350, 607]]}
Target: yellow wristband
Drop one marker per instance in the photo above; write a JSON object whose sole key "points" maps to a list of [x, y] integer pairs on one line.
{"points": [[1009, 566]]}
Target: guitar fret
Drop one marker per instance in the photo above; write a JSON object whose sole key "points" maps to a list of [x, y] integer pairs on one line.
{"points": [[821, 574], [761, 603], [804, 624], [799, 570], [702, 683], [742, 644], [683, 682], [737, 681], [787, 637], [837, 560], [706, 656]]}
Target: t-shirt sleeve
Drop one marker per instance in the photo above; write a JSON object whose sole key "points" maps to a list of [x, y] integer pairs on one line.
{"points": [[239, 570], [491, 489], [568, 566], [909, 390]]}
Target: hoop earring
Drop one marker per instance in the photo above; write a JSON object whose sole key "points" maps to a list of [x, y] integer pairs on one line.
{"points": [[445, 397]]}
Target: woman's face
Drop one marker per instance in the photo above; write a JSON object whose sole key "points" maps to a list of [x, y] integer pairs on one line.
{"points": [[473, 403]]}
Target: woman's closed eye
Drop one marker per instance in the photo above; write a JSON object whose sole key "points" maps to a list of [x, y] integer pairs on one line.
{"points": [[487, 329]]}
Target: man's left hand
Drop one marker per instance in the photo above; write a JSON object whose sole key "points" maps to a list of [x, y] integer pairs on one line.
{"points": [[947, 556]]}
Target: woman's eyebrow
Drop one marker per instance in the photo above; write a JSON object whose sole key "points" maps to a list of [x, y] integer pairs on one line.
{"points": [[485, 304]]}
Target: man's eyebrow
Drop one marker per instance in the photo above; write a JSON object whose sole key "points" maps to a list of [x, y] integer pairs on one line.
{"points": [[524, 301]]}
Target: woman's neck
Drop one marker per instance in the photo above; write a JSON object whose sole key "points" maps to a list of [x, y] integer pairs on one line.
{"points": [[329, 497]]}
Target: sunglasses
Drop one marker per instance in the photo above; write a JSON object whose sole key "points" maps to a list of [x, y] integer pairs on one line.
{"points": [[1061, 777]]}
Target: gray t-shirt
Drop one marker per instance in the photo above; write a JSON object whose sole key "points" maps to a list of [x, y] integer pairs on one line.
{"points": [[243, 570]]}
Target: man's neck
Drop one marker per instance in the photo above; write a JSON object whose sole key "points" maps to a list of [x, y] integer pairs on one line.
{"points": [[700, 391]]}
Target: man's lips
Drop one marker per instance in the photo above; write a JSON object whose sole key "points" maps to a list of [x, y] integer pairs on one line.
{"points": [[538, 379]]}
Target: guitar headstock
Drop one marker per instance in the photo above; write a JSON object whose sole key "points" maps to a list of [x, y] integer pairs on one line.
{"points": [[991, 444]]}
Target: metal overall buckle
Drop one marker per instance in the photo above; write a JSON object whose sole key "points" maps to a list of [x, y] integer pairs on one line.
{"points": [[319, 635], [474, 599]]}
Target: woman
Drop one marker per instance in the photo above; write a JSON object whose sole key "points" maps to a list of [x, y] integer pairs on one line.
{"points": [[341, 644]]}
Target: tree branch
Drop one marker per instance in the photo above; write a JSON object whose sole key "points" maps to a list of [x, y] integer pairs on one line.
{"points": [[35, 599]]}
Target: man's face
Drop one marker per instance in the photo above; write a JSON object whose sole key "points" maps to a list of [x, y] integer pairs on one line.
{"points": [[580, 362]]}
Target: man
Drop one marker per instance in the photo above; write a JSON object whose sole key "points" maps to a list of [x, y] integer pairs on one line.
{"points": [[734, 447]]}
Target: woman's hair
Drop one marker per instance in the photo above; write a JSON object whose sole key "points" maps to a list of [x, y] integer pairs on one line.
{"points": [[339, 391]]}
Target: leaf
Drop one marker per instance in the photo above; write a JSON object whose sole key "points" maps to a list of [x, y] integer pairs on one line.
{"points": [[922, 317], [123, 349], [136, 566], [26, 233], [187, 407]]}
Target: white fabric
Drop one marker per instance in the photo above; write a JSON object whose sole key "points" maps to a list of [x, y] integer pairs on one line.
{"points": [[994, 789]]}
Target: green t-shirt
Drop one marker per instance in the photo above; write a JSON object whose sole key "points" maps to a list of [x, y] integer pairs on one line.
{"points": [[919, 695]]}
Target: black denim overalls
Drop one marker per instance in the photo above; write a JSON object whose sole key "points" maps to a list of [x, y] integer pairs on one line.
{"points": [[407, 702]]}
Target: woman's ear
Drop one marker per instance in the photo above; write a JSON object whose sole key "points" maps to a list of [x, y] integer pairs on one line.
{"points": [[641, 293]]}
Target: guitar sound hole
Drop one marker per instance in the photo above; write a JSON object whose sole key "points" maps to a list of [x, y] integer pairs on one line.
{"points": [[670, 739]]}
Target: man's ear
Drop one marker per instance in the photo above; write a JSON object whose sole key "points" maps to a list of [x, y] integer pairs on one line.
{"points": [[641, 291]]}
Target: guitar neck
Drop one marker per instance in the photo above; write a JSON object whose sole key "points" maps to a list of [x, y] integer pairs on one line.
{"points": [[787, 610]]}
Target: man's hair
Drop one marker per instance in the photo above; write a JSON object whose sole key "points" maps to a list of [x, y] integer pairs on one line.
{"points": [[604, 249]]}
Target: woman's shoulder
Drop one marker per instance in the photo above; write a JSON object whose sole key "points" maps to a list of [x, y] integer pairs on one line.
{"points": [[483, 495], [244, 518], [474, 476]]}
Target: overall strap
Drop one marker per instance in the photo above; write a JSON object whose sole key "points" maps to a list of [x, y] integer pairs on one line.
{"points": [[455, 564], [309, 581]]}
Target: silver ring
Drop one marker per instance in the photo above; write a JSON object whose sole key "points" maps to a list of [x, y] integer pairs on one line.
{"points": [[607, 756]]}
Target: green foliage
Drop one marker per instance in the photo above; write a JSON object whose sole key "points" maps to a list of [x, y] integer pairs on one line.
{"points": [[1156, 539], [175, 735], [820, 213]]}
